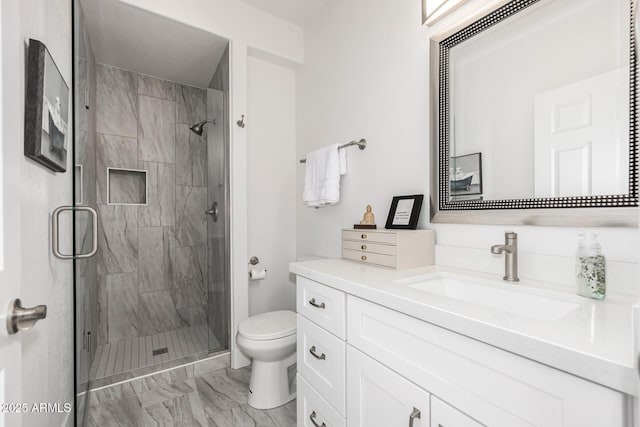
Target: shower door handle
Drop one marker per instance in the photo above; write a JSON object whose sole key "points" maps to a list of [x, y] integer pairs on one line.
{"points": [[213, 211], [55, 235]]}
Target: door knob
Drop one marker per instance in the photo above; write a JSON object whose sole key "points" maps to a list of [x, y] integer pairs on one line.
{"points": [[20, 318]]}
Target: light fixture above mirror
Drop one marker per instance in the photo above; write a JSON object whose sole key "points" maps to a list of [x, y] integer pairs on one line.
{"points": [[434, 10]]}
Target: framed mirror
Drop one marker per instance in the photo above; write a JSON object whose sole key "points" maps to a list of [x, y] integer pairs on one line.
{"points": [[534, 116]]}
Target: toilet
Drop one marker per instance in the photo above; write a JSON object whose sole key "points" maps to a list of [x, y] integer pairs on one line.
{"points": [[270, 340]]}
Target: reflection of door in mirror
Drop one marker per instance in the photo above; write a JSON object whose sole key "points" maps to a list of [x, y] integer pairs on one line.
{"points": [[557, 52], [581, 137]]}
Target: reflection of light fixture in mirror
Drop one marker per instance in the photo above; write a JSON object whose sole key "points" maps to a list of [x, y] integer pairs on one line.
{"points": [[434, 10]]}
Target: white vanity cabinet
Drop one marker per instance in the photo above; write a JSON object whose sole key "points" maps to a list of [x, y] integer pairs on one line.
{"points": [[321, 354], [377, 396], [443, 415], [404, 371]]}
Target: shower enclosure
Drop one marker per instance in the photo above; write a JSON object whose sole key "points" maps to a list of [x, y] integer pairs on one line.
{"points": [[151, 156]]}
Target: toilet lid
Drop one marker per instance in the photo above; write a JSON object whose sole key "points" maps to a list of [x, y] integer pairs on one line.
{"points": [[269, 326]]}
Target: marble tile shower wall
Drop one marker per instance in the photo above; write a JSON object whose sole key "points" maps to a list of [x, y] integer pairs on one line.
{"points": [[152, 274]]}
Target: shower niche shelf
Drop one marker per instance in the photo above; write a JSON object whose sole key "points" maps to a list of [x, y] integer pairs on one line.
{"points": [[126, 186]]}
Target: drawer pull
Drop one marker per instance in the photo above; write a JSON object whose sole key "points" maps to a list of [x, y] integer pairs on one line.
{"points": [[312, 417], [414, 414], [363, 247], [363, 236], [313, 302], [363, 257], [312, 350]]}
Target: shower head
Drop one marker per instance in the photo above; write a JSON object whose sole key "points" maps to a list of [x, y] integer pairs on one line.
{"points": [[199, 127]]}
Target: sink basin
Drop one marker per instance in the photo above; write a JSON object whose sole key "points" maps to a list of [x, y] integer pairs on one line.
{"points": [[495, 295]]}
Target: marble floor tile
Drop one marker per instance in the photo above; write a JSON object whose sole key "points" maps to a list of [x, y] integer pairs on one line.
{"points": [[216, 399], [191, 225], [156, 130], [191, 104], [158, 88], [116, 101], [174, 376], [223, 389], [174, 412], [168, 392], [116, 413], [211, 365]]}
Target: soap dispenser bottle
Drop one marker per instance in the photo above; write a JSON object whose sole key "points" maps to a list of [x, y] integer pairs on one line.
{"points": [[590, 267]]}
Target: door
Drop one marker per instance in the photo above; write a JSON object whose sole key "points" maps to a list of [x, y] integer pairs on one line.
{"points": [[218, 218], [378, 397], [87, 309], [582, 137], [10, 274], [36, 366]]}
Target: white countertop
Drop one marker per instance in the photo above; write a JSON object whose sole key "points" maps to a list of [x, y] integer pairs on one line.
{"points": [[594, 342]]}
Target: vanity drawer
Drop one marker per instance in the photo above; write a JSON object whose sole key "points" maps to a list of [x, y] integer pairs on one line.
{"points": [[312, 408], [445, 415], [370, 258], [321, 304], [321, 361], [375, 248], [375, 236]]}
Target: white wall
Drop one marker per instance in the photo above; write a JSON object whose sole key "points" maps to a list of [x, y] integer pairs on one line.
{"points": [[47, 350], [271, 184], [365, 75]]}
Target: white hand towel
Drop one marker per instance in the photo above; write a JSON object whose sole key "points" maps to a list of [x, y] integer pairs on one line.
{"points": [[322, 177]]}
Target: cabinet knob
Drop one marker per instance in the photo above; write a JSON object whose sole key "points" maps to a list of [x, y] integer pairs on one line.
{"points": [[312, 417], [414, 414], [313, 302], [312, 350], [363, 247], [363, 257], [363, 236]]}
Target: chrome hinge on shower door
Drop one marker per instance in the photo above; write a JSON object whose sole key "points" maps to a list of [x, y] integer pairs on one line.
{"points": [[86, 341]]}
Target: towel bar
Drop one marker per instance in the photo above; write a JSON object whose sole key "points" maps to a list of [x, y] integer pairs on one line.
{"points": [[362, 144]]}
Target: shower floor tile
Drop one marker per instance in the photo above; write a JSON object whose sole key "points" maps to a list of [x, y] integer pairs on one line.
{"points": [[136, 354]]}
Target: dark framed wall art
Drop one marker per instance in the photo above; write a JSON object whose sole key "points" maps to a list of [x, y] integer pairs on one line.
{"points": [[404, 212], [46, 128]]}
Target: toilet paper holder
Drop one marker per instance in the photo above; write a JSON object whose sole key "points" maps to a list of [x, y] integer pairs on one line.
{"points": [[254, 260]]}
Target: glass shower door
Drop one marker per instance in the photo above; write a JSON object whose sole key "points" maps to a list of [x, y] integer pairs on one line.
{"points": [[218, 221], [84, 172]]}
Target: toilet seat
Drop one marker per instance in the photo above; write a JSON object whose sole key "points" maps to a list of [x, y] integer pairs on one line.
{"points": [[269, 326]]}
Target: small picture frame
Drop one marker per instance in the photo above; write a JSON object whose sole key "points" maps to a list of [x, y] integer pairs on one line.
{"points": [[46, 121], [465, 176], [404, 212]]}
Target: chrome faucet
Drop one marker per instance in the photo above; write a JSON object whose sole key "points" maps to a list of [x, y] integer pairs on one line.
{"points": [[510, 249]]}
